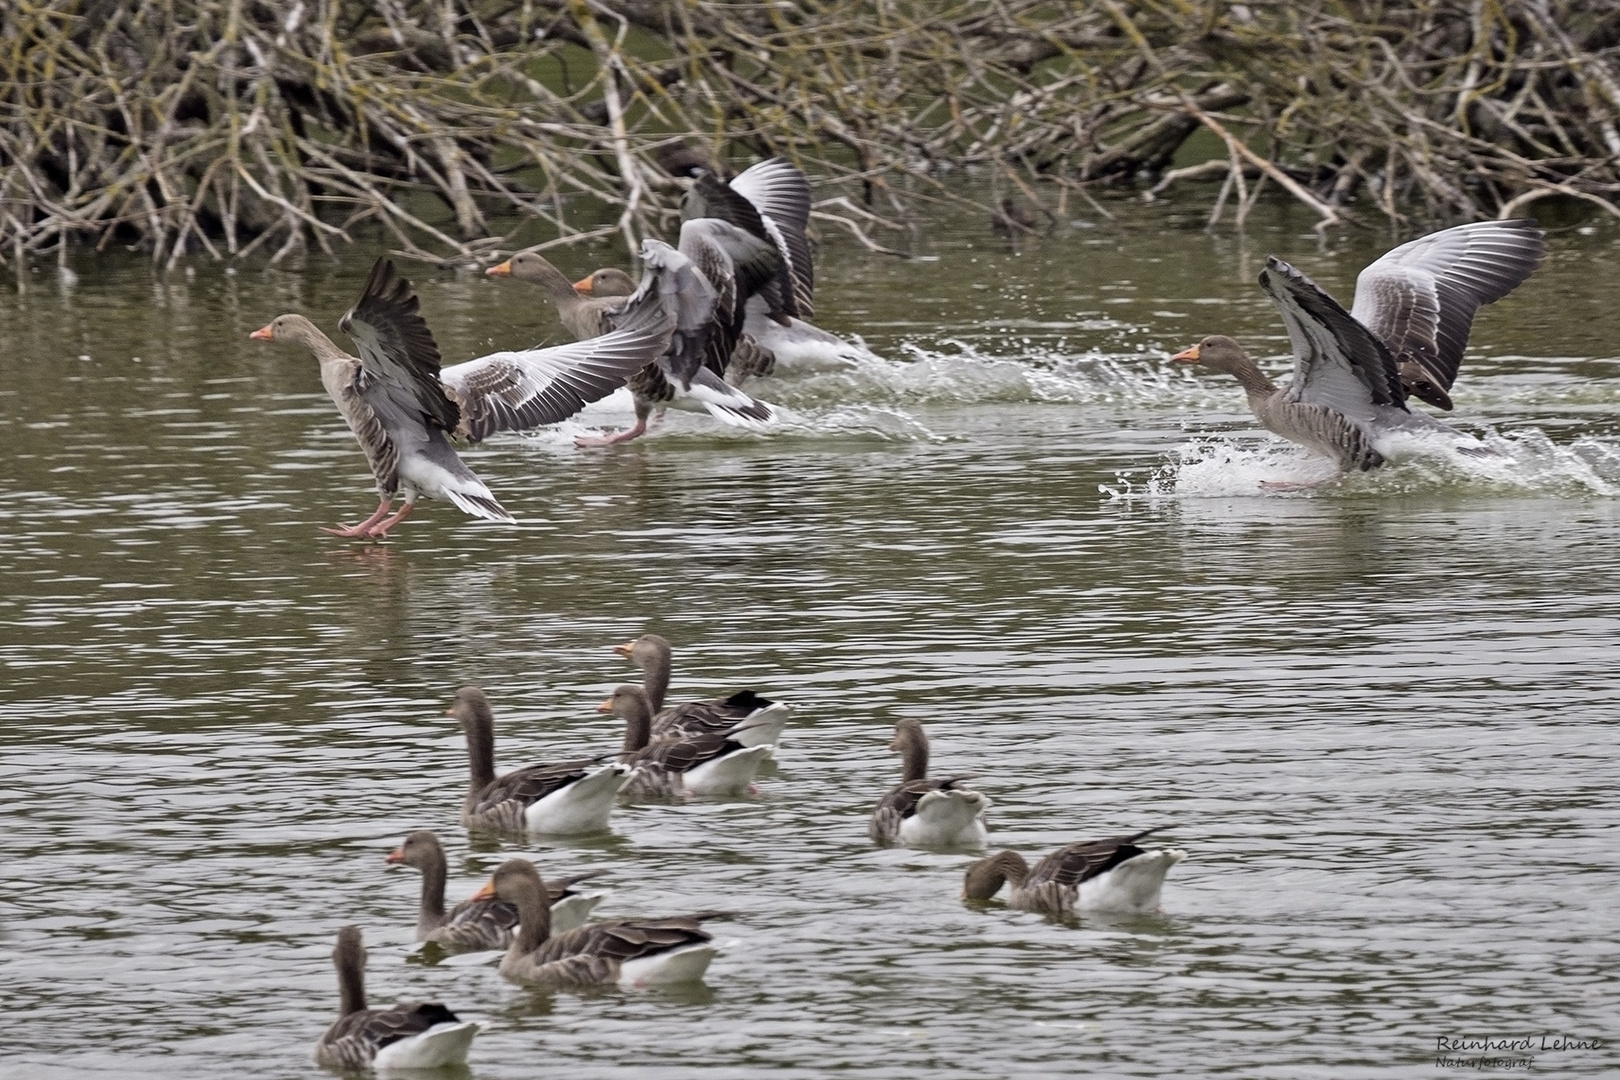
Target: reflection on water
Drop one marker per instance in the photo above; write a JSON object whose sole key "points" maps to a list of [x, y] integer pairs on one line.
{"points": [[1377, 713]]}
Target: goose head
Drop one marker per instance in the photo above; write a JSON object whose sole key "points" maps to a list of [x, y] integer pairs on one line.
{"points": [[608, 281]]}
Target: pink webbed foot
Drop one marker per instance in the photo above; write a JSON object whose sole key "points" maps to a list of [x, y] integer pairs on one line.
{"points": [[365, 527], [585, 442]]}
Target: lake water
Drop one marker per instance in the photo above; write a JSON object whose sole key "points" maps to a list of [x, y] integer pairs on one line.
{"points": [[1379, 715]]}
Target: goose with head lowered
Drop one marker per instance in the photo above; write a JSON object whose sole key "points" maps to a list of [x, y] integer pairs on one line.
{"points": [[1099, 875], [708, 764], [570, 797], [690, 372], [626, 952], [411, 1035], [403, 407], [1355, 371], [711, 716], [476, 925], [922, 812]]}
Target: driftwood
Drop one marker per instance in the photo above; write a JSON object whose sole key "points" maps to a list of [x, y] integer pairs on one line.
{"points": [[243, 127]]}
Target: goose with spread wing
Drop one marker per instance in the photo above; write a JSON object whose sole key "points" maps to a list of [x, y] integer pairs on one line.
{"points": [[710, 716], [475, 925], [626, 952], [403, 407], [699, 282], [1100, 875], [411, 1035], [923, 812], [1404, 336], [569, 797]]}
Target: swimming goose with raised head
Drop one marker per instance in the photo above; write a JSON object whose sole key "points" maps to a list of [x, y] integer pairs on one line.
{"points": [[1099, 875], [1403, 337], [708, 764], [475, 925], [570, 797], [711, 716], [628, 952], [403, 408], [922, 812], [411, 1035]]}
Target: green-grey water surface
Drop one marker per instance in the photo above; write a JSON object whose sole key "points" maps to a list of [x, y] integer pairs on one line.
{"points": [[1378, 715]]}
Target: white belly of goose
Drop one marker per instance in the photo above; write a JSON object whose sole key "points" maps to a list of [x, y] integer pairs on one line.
{"points": [[438, 1046], [1132, 886], [581, 807], [947, 819], [666, 968], [728, 775]]}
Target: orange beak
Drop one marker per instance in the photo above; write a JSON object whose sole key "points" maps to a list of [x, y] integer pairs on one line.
{"points": [[1189, 355], [502, 270], [606, 706], [586, 284], [395, 856], [487, 892], [264, 333], [628, 647]]}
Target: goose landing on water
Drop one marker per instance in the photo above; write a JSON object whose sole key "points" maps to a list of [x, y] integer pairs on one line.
{"points": [[1102, 875], [1404, 337], [925, 813], [411, 1035]]}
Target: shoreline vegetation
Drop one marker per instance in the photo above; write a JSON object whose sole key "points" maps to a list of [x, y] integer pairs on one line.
{"points": [[260, 128]]}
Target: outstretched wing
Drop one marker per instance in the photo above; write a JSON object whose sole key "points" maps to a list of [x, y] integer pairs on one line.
{"points": [[516, 391], [738, 265], [397, 350], [684, 290], [780, 192], [1420, 298], [1338, 363], [709, 198]]}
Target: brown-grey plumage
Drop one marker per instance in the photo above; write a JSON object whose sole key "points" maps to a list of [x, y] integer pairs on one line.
{"points": [[505, 803], [917, 790], [710, 716], [661, 767], [361, 1036], [738, 266], [1053, 884], [1354, 372], [780, 192], [471, 925], [392, 400], [592, 955]]}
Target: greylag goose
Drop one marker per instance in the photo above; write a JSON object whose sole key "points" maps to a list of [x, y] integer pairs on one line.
{"points": [[475, 925], [713, 764], [403, 408], [1402, 338], [411, 1035], [1101, 875], [628, 952], [921, 812], [713, 716], [683, 374], [569, 797]]}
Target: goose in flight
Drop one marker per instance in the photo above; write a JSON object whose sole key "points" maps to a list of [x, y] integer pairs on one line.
{"points": [[403, 408], [1403, 337]]}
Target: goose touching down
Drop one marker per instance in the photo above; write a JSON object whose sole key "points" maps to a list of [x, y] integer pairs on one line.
{"points": [[1101, 875], [713, 716], [712, 764], [476, 925], [927, 813], [689, 373], [411, 1035], [627, 952], [571, 797], [403, 408], [1404, 337]]}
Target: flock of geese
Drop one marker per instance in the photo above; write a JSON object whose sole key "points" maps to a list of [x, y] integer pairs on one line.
{"points": [[711, 747], [732, 299], [728, 302]]}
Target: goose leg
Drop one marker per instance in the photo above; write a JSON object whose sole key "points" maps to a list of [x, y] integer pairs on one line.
{"points": [[364, 527], [642, 409], [380, 531]]}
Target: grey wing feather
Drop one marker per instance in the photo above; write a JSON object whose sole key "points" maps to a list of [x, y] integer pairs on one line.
{"points": [[1080, 862], [738, 265], [382, 453], [353, 1040], [684, 290], [780, 192], [397, 349], [516, 391], [1338, 362], [1420, 298]]}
